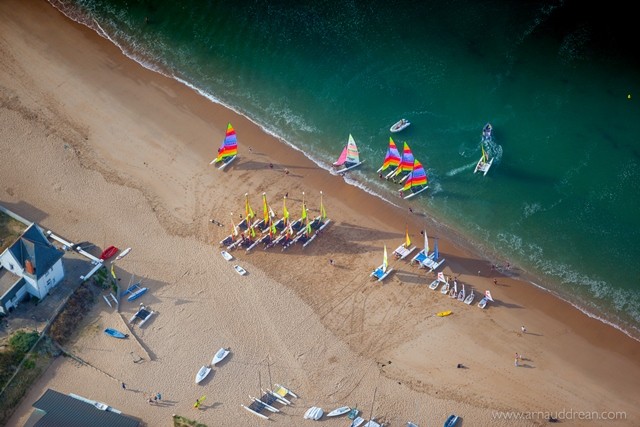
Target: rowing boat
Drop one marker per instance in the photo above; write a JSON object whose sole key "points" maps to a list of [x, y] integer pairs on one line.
{"points": [[108, 253], [115, 333]]}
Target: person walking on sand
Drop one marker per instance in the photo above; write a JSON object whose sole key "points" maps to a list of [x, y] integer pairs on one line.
{"points": [[516, 363], [158, 396], [524, 330], [124, 386]]}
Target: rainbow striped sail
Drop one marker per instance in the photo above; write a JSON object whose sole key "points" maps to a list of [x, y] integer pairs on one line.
{"points": [[417, 180], [406, 164], [229, 149], [392, 158]]}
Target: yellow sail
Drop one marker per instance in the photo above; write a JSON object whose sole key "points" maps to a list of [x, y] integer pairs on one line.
{"points": [[265, 207], [323, 213], [285, 212], [407, 240], [385, 263], [247, 209]]}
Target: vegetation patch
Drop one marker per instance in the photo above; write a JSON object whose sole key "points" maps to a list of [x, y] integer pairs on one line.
{"points": [[66, 322], [179, 421], [10, 230]]}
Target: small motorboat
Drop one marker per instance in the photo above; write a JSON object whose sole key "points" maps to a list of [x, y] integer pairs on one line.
{"points": [[487, 132], [241, 271], [400, 125], [108, 253], [202, 373], [220, 355], [115, 333]]}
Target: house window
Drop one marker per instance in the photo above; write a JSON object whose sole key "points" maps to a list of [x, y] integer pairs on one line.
{"points": [[49, 281], [10, 266]]}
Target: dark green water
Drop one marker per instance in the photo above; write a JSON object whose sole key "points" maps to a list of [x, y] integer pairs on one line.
{"points": [[561, 199]]}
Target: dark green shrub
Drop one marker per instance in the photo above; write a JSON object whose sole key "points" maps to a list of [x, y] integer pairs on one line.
{"points": [[22, 341]]}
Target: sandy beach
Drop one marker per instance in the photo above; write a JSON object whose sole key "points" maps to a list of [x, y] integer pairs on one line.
{"points": [[100, 149]]}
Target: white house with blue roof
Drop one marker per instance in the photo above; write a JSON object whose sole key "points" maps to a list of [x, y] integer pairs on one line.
{"points": [[32, 266]]}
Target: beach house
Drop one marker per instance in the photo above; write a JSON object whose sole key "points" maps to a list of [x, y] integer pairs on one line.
{"points": [[58, 409], [30, 266]]}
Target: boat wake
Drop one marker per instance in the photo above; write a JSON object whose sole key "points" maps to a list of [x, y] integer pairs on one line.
{"points": [[456, 171]]}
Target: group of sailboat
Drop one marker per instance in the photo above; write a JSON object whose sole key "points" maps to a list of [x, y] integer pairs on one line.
{"points": [[270, 231], [405, 168]]}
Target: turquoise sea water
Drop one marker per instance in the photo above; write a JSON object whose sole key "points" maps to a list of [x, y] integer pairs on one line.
{"points": [[553, 77]]}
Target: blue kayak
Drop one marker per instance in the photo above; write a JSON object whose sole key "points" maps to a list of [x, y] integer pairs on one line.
{"points": [[115, 333]]}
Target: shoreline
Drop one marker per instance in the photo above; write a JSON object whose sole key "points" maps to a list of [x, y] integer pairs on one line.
{"points": [[450, 231], [354, 240], [452, 234]]}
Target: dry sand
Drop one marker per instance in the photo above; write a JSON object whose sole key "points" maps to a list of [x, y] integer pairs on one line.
{"points": [[99, 149]]}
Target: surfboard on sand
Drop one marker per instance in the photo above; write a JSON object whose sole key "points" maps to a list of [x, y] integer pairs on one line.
{"points": [[123, 254]]}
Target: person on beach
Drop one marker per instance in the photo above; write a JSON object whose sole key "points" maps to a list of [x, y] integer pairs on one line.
{"points": [[124, 386], [495, 282], [516, 363], [331, 262], [524, 330], [158, 396]]}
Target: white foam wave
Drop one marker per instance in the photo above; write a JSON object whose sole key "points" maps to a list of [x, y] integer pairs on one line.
{"points": [[456, 171]]}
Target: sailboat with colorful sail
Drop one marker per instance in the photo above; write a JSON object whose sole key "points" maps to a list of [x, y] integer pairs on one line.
{"points": [[383, 271], [405, 167], [228, 152], [405, 249], [416, 182], [392, 158], [349, 158]]}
